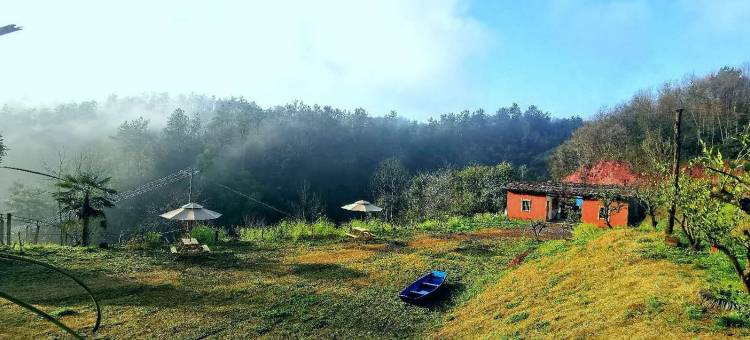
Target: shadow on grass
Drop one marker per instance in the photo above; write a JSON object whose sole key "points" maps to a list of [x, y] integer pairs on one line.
{"points": [[443, 299], [325, 271]]}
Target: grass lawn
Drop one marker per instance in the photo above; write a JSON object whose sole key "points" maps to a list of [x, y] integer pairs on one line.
{"points": [[340, 289], [609, 284], [619, 284]]}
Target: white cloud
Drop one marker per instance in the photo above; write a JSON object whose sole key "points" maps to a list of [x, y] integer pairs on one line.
{"points": [[405, 55]]}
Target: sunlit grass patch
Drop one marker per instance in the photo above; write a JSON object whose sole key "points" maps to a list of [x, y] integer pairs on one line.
{"points": [[433, 243], [602, 286], [345, 255], [272, 288]]}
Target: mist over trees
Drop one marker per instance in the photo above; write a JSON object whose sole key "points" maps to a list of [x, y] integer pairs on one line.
{"points": [[292, 157], [639, 131]]}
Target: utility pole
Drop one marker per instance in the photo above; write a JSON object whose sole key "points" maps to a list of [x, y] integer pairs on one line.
{"points": [[7, 224], [675, 169]]}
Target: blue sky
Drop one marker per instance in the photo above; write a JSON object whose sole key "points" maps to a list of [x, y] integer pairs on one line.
{"points": [[420, 58]]}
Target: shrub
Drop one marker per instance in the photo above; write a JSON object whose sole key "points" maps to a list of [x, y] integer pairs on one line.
{"points": [[732, 320], [518, 317], [373, 225], [429, 225], [695, 312], [490, 220], [654, 305], [63, 311], [584, 232], [295, 231], [467, 224], [207, 234], [149, 240], [152, 240]]}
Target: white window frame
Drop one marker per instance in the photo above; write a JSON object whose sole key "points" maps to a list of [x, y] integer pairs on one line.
{"points": [[525, 201]]}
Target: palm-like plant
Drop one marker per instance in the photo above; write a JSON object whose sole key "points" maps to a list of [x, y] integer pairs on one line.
{"points": [[87, 194]]}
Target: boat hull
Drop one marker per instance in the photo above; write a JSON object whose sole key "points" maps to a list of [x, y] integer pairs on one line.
{"points": [[423, 289]]}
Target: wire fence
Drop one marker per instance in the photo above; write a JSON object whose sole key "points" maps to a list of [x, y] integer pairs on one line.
{"points": [[25, 230]]}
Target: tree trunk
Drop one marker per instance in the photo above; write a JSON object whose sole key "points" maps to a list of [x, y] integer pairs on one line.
{"points": [[737, 267], [693, 241], [652, 213], [675, 170], [85, 232], [36, 234]]}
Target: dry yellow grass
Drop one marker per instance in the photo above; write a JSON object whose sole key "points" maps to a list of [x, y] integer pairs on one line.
{"points": [[247, 290], [601, 290], [434, 243], [331, 256]]}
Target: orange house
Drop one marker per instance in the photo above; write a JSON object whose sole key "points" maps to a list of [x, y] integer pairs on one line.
{"points": [[553, 201]]}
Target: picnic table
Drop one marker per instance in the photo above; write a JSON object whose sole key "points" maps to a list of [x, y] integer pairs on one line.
{"points": [[189, 246], [357, 232]]}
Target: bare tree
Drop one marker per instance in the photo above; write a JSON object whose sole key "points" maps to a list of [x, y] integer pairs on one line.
{"points": [[308, 206], [537, 227], [389, 183]]}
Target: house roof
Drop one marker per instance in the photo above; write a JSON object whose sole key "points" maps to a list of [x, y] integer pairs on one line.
{"points": [[568, 189], [604, 172]]}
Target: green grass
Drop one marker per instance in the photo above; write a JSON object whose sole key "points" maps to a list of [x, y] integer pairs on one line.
{"points": [[457, 224], [720, 276], [306, 280], [247, 289], [605, 282]]}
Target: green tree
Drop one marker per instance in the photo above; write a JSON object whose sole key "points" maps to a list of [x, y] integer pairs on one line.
{"points": [[718, 204], [612, 203], [307, 207], [3, 149], [136, 145], [30, 201], [388, 183], [87, 194], [480, 188], [654, 190]]}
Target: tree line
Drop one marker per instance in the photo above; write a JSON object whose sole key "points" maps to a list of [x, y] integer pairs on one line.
{"points": [[304, 160], [712, 196], [640, 130]]}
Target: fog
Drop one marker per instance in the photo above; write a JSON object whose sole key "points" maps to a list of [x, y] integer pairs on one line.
{"points": [[268, 153]]}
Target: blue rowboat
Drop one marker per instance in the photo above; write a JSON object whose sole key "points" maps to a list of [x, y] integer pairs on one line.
{"points": [[424, 288]]}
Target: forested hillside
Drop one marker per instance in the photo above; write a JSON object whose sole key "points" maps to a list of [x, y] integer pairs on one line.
{"points": [[293, 157], [716, 106]]}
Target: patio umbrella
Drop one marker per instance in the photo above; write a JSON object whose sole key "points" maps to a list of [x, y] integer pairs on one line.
{"points": [[191, 212], [362, 206]]}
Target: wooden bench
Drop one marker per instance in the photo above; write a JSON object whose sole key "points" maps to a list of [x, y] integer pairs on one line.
{"points": [[358, 232], [189, 246]]}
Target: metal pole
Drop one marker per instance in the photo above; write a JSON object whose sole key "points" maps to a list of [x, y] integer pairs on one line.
{"points": [[8, 219], [36, 235], [2, 228], [675, 169]]}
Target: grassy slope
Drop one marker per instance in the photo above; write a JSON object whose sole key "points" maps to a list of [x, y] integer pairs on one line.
{"points": [[611, 287], [245, 290]]}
